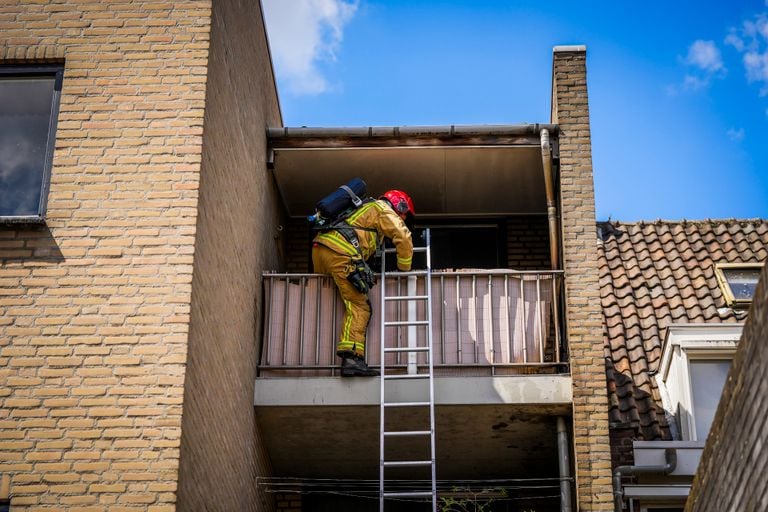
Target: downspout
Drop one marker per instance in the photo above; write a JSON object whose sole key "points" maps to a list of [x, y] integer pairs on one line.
{"points": [[670, 455], [554, 239], [549, 186], [565, 465]]}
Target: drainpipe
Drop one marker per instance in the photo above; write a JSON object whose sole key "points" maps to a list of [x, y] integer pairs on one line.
{"points": [[564, 460], [554, 239], [670, 455], [549, 186]]}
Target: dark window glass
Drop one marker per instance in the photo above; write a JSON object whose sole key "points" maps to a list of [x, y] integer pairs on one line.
{"points": [[28, 108], [462, 247]]}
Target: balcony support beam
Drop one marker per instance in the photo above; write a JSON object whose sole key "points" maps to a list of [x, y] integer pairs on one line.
{"points": [[553, 392]]}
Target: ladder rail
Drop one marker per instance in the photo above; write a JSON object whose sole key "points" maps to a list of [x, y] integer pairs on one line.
{"points": [[411, 297], [382, 379]]}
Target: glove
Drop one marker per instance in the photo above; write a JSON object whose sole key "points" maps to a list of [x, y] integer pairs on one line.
{"points": [[361, 277]]}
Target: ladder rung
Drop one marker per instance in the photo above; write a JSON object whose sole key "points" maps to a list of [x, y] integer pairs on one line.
{"points": [[407, 376], [407, 494], [407, 349], [406, 463], [407, 297], [415, 249], [406, 404], [408, 433], [410, 273], [408, 322]]}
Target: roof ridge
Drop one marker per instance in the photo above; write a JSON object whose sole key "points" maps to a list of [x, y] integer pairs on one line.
{"points": [[730, 220]]}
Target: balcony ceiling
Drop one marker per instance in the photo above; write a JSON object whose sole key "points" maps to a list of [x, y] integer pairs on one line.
{"points": [[442, 180], [472, 441]]}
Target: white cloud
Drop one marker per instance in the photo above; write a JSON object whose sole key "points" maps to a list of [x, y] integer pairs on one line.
{"points": [[751, 39], [736, 135], [703, 63], [733, 40], [705, 56], [695, 83], [756, 64], [302, 33]]}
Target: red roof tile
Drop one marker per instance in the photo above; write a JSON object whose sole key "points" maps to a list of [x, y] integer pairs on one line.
{"points": [[653, 274]]}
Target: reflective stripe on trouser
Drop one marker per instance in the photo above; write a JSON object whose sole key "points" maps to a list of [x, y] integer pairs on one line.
{"points": [[357, 309]]}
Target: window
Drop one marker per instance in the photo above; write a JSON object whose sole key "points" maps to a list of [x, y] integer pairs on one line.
{"points": [[694, 368], [707, 382], [738, 281], [29, 106], [471, 245]]}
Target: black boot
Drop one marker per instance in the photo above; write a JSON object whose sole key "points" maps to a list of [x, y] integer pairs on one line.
{"points": [[353, 365]]}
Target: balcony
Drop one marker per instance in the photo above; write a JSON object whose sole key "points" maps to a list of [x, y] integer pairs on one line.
{"points": [[485, 323], [500, 366], [499, 353]]}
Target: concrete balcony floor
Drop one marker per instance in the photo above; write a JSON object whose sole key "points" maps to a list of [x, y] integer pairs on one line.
{"points": [[486, 427]]}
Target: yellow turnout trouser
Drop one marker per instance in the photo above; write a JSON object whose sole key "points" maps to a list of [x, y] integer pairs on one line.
{"points": [[357, 309]]}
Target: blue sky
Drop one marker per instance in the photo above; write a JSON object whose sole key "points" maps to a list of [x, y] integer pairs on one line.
{"points": [[678, 90]]}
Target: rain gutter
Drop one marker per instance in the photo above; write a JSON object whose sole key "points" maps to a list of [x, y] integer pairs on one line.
{"points": [[670, 455], [412, 131]]}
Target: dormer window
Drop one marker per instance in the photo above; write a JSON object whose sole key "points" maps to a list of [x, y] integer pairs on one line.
{"points": [[738, 281], [694, 366]]}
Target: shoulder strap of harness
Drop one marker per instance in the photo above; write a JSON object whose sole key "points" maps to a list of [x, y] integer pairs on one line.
{"points": [[345, 229]]}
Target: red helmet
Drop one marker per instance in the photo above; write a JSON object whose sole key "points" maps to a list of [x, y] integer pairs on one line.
{"points": [[400, 201]]}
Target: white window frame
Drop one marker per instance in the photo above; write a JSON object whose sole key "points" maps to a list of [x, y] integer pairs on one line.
{"points": [[685, 343], [656, 506]]}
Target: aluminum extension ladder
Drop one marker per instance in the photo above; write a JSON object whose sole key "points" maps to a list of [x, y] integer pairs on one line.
{"points": [[419, 489]]}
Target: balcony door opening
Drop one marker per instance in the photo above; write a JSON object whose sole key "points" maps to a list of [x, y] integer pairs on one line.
{"points": [[455, 246]]}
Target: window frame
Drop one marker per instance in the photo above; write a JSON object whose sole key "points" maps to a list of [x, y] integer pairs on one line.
{"points": [[35, 70], [679, 504], [725, 286], [683, 344]]}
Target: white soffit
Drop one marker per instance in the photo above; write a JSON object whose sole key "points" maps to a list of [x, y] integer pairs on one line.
{"points": [[442, 180]]}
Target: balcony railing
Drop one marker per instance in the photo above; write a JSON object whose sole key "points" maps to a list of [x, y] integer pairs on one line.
{"points": [[485, 322]]}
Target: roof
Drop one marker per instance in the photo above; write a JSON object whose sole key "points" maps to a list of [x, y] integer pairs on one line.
{"points": [[653, 274]]}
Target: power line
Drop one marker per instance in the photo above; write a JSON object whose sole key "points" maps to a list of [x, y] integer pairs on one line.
{"points": [[507, 489]]}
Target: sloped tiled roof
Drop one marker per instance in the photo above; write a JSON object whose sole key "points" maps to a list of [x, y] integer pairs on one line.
{"points": [[653, 274]]}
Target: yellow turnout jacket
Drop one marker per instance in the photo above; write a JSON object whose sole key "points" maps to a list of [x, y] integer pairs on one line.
{"points": [[374, 220]]}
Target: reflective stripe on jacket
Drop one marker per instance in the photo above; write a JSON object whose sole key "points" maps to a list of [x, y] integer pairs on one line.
{"points": [[378, 216]]}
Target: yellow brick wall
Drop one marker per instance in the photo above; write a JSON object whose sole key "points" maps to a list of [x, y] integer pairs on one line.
{"points": [[570, 109], [95, 304], [237, 228]]}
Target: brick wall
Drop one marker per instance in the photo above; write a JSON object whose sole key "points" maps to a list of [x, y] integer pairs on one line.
{"points": [[731, 474], [570, 110], [221, 451], [288, 502], [297, 239], [528, 243], [94, 306]]}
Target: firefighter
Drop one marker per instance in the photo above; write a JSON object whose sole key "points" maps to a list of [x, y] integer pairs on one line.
{"points": [[334, 253]]}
